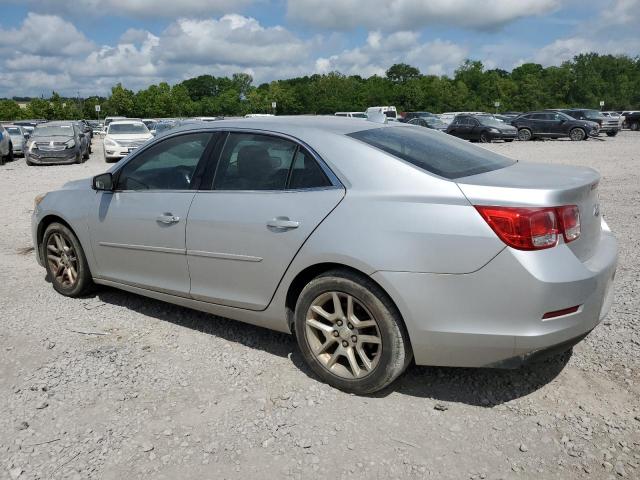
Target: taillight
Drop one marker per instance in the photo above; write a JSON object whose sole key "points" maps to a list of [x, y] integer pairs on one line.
{"points": [[570, 222], [526, 228]]}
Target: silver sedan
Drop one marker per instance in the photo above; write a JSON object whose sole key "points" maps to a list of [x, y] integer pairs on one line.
{"points": [[374, 244]]}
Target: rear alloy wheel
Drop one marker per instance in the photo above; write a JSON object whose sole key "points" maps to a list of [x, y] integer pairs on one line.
{"points": [[65, 261], [484, 138], [350, 333], [524, 134], [577, 134]]}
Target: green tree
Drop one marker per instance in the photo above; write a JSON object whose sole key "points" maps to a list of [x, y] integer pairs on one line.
{"points": [[401, 73]]}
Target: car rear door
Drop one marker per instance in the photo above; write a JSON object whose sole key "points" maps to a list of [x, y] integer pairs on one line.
{"points": [[138, 230], [267, 196]]}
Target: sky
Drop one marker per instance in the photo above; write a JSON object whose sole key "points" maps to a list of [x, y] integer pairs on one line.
{"points": [[84, 47]]}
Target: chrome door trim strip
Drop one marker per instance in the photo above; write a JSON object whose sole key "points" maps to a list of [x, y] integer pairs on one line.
{"points": [[146, 248], [224, 256]]}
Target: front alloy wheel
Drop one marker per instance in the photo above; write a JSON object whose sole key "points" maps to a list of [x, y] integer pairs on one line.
{"points": [[577, 134], [65, 261]]}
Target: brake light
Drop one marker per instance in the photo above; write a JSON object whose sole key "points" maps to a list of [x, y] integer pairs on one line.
{"points": [[525, 228], [570, 221]]}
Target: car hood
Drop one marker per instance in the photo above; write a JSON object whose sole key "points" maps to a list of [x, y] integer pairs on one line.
{"points": [[82, 184], [51, 139], [129, 136]]}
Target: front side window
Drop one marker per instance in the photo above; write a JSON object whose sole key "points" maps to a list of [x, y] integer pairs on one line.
{"points": [[167, 165], [441, 155]]}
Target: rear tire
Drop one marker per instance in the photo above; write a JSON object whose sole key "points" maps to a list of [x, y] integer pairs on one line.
{"points": [[524, 135], [65, 261], [332, 341], [10, 157], [577, 134], [612, 134]]}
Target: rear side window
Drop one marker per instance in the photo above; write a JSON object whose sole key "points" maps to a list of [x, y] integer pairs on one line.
{"points": [[432, 151], [262, 162]]}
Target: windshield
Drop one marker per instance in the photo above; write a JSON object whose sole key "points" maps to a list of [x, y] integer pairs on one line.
{"points": [[592, 114], [434, 122], [14, 131], [53, 131], [429, 150], [492, 122], [128, 128]]}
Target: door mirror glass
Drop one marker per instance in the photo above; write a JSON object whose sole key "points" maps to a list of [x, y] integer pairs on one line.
{"points": [[103, 182]]}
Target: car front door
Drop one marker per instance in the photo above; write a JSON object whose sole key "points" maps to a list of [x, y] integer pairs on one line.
{"points": [[138, 230], [557, 124], [268, 195]]}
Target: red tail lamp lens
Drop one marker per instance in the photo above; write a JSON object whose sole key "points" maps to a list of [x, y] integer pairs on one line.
{"points": [[526, 228]]}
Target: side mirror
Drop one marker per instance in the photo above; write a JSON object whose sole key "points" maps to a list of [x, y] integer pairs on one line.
{"points": [[103, 182]]}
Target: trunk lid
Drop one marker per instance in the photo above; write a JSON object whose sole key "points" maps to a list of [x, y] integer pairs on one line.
{"points": [[543, 185]]}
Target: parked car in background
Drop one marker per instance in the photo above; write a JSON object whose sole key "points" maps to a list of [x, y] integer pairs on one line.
{"points": [[552, 124], [351, 114], [108, 120], [164, 125], [632, 120], [482, 128], [461, 235], [123, 137], [447, 117], [407, 116], [607, 125], [55, 142], [18, 138], [388, 111], [432, 122], [85, 139], [6, 147]]}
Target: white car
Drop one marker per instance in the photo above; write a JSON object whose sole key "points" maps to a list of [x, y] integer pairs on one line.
{"points": [[351, 114], [122, 137], [388, 111]]}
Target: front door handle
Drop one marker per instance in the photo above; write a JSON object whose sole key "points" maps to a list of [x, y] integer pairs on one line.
{"points": [[168, 219], [283, 223]]}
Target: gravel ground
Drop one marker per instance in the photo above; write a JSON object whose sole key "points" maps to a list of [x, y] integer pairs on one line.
{"points": [[120, 386]]}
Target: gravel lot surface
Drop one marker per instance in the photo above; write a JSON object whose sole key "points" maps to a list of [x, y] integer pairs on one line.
{"points": [[118, 386]]}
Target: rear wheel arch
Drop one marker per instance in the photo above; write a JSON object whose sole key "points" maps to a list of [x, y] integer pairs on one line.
{"points": [[313, 271]]}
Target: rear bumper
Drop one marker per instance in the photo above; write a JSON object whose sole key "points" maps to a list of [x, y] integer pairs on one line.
{"points": [[493, 317]]}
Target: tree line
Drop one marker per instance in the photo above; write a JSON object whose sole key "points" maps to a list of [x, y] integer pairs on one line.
{"points": [[583, 81]]}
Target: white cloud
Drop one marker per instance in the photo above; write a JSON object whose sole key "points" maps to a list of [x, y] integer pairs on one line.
{"points": [[45, 35], [435, 57], [413, 14], [137, 8], [233, 39]]}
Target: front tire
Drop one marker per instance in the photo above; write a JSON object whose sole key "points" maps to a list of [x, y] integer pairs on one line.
{"points": [[612, 134], [65, 261], [484, 138], [524, 135], [350, 333], [577, 134]]}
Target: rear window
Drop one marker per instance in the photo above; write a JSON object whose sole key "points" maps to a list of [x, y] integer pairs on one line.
{"points": [[433, 151]]}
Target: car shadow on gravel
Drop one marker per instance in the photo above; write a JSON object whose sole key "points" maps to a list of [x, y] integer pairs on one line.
{"points": [[269, 341], [483, 387]]}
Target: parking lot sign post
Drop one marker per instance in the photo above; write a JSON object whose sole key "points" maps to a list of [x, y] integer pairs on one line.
{"points": [[98, 111], [601, 104], [273, 107], [497, 105]]}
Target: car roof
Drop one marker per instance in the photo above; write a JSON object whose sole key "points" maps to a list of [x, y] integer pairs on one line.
{"points": [[296, 126], [125, 122], [57, 123]]}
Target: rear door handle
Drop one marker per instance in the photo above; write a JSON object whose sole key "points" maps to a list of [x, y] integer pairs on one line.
{"points": [[283, 223], [168, 219]]}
